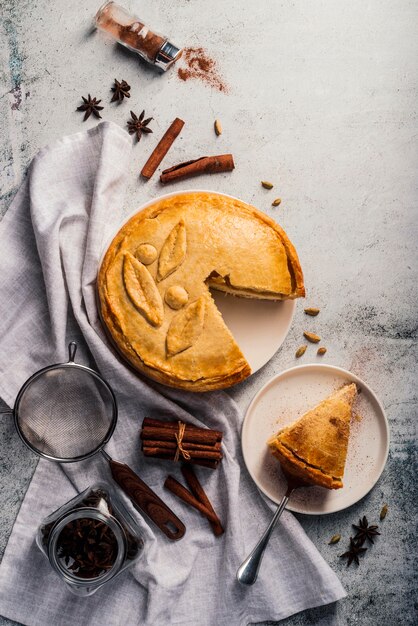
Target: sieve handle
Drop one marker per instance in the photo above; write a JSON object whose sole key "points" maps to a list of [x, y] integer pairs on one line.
{"points": [[72, 349], [148, 501]]}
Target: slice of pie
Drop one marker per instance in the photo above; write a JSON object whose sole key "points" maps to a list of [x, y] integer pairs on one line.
{"points": [[314, 448], [154, 282]]}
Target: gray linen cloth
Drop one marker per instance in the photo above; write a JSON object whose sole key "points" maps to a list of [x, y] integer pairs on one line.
{"points": [[51, 240]]}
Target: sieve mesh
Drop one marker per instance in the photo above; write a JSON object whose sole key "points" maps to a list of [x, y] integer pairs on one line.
{"points": [[65, 412]]}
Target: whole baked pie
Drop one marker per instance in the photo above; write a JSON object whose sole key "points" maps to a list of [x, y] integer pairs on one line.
{"points": [[154, 282], [314, 448]]}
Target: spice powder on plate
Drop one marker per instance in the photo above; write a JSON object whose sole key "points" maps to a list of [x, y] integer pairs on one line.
{"points": [[197, 65]]}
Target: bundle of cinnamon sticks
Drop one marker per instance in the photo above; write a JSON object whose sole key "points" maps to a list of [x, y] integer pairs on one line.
{"points": [[178, 441]]}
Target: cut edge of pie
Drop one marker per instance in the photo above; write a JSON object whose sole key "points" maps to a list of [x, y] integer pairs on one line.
{"points": [[222, 283], [314, 447]]}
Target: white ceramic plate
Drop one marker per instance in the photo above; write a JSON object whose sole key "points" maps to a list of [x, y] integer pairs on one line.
{"points": [[259, 327], [286, 397]]}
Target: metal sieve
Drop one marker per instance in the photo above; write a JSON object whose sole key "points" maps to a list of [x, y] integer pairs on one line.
{"points": [[67, 412]]}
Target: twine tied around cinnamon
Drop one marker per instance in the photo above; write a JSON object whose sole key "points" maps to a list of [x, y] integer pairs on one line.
{"points": [[179, 438]]}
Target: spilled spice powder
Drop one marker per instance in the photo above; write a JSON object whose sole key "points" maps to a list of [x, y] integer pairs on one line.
{"points": [[197, 65]]}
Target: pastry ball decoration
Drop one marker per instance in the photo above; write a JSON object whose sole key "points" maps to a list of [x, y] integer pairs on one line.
{"points": [[176, 297], [146, 253]]}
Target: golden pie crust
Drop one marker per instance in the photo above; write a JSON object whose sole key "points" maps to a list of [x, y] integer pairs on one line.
{"points": [[314, 448], [153, 285]]}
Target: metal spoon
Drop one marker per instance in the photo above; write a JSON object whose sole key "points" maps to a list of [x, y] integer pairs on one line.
{"points": [[248, 571]]}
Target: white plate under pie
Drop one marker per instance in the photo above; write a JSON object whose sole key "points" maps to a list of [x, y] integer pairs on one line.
{"points": [[286, 397], [258, 326]]}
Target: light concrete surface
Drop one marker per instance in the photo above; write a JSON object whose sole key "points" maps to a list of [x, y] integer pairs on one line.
{"points": [[322, 101]]}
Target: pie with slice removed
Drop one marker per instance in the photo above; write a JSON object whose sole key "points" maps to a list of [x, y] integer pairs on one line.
{"points": [[314, 448], [153, 285]]}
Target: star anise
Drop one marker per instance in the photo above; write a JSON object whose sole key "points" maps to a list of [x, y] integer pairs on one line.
{"points": [[364, 531], [353, 553], [137, 125], [87, 547], [91, 105], [120, 91]]}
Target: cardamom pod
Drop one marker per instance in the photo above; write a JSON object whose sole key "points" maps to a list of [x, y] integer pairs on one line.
{"points": [[312, 337], [300, 351], [321, 351], [311, 311], [266, 184], [276, 202], [218, 128], [384, 512], [334, 539]]}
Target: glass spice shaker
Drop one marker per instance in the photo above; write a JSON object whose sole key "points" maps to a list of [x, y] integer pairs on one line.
{"points": [[132, 33], [91, 539]]}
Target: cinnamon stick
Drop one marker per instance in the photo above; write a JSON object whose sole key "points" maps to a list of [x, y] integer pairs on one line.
{"points": [[203, 165], [184, 494], [169, 456], [199, 493], [194, 454], [171, 445], [162, 148], [206, 437], [149, 421], [205, 463]]}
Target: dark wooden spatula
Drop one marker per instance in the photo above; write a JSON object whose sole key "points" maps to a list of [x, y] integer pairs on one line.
{"points": [[147, 500]]}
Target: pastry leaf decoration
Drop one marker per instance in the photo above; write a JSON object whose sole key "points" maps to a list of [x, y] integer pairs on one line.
{"points": [[113, 302], [186, 327], [142, 290], [173, 251]]}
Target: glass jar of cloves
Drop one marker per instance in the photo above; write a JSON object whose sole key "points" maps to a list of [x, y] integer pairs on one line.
{"points": [[133, 33], [91, 539]]}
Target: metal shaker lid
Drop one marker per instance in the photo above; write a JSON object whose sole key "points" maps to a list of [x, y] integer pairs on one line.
{"points": [[167, 54]]}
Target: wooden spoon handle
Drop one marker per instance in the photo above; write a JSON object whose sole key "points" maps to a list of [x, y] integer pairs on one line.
{"points": [[147, 501]]}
